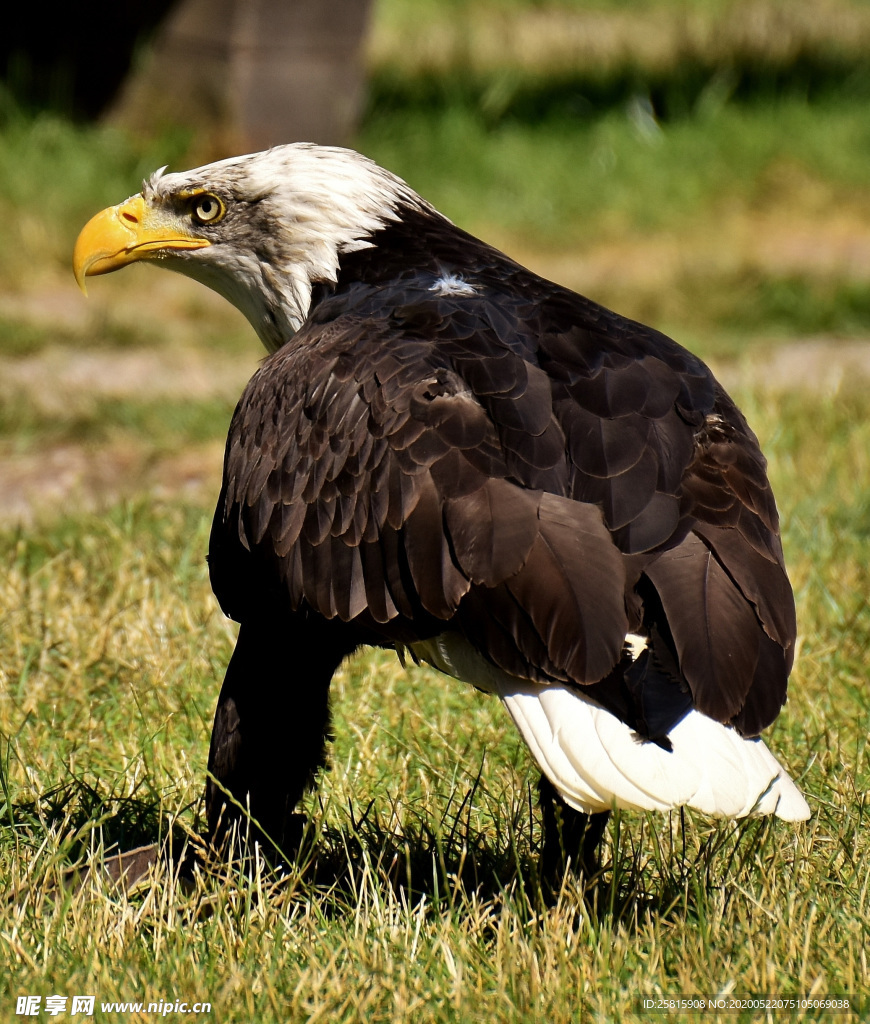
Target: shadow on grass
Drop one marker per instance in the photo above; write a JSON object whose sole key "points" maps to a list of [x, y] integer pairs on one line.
{"points": [[652, 866], [78, 809], [77, 827]]}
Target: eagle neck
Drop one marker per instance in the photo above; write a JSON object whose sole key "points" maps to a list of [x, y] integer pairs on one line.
{"points": [[420, 241]]}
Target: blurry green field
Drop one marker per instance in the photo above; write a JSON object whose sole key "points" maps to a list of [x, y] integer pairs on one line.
{"points": [[730, 199], [733, 211]]}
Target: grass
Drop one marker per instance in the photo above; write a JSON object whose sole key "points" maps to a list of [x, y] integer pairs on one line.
{"points": [[545, 182], [168, 424], [767, 232], [697, 213], [53, 176], [593, 41]]}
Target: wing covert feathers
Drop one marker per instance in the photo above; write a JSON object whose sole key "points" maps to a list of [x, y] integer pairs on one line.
{"points": [[514, 466]]}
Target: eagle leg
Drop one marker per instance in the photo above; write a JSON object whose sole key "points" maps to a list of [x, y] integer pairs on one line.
{"points": [[270, 731], [571, 840]]}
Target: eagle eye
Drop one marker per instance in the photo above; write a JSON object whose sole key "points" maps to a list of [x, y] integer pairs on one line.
{"points": [[207, 209]]}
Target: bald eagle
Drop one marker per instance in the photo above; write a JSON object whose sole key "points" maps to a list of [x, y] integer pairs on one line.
{"points": [[446, 454]]}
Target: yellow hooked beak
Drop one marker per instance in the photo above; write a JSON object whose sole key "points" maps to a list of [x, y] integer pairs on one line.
{"points": [[130, 231]]}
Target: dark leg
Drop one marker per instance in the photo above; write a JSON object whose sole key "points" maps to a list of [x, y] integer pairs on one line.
{"points": [[270, 729], [570, 839]]}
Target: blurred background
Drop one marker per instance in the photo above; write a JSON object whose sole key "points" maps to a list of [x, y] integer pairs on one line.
{"points": [[701, 165]]}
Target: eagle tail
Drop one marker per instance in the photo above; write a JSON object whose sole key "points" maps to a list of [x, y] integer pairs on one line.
{"points": [[596, 762]]}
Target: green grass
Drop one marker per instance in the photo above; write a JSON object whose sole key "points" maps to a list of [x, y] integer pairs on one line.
{"points": [[522, 58], [417, 899], [54, 175], [572, 183], [710, 186], [166, 424]]}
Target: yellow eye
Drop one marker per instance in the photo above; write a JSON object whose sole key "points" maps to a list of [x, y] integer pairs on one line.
{"points": [[207, 209]]}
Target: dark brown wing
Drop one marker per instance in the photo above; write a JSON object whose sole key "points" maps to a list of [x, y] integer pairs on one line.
{"points": [[523, 467], [371, 484], [724, 589]]}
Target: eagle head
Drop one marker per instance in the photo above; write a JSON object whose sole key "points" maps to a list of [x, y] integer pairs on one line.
{"points": [[259, 229]]}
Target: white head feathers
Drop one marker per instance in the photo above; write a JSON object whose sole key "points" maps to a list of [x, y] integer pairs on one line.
{"points": [[292, 211]]}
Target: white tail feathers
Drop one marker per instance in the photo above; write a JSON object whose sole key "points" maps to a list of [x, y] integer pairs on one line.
{"points": [[596, 762]]}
